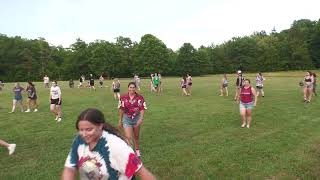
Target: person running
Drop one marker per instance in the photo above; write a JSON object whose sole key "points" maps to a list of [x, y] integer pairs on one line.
{"points": [[224, 86], [314, 84], [137, 80], [91, 82], [247, 98], [160, 82], [101, 79], [131, 113], [116, 88], [156, 82], [183, 85], [308, 86], [17, 90], [189, 84], [11, 147], [259, 84], [46, 81], [239, 83], [100, 152], [32, 97], [55, 101]]}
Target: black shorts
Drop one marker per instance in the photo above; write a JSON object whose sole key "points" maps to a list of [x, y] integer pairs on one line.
{"points": [[184, 86], [56, 101], [101, 83], [116, 90], [190, 84], [91, 83], [259, 87], [33, 98]]}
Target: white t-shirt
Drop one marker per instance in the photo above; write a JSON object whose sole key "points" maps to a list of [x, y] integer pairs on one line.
{"points": [[45, 80], [55, 92]]}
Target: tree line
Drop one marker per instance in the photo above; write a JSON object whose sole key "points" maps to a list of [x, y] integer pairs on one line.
{"points": [[296, 48]]}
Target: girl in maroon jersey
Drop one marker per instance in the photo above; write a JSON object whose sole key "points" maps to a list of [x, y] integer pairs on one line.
{"points": [[247, 99], [131, 112]]}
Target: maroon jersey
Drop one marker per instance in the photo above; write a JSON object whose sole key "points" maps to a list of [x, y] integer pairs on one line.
{"points": [[246, 95], [132, 107]]}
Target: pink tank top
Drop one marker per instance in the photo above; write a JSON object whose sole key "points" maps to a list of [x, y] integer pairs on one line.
{"points": [[246, 95]]}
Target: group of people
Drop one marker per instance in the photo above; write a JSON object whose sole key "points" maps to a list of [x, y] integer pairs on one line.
{"points": [[186, 85], [18, 98]]}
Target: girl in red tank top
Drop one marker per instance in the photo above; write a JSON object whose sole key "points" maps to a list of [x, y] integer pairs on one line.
{"points": [[246, 100]]}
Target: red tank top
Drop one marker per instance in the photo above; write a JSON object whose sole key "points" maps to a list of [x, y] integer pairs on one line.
{"points": [[246, 95]]}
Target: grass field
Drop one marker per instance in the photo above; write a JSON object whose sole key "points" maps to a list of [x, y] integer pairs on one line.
{"points": [[197, 137]]}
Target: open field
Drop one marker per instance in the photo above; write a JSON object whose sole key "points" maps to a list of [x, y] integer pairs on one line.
{"points": [[197, 137]]}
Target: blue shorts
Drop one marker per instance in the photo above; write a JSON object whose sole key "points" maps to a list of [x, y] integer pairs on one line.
{"points": [[128, 122], [246, 105]]}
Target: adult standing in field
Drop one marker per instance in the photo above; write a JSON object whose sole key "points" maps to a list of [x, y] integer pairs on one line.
{"points": [[81, 81], [239, 84], [259, 84], [314, 84], [32, 97], [11, 147], [100, 152], [55, 101], [131, 113], [46, 81], [101, 79], [189, 84], [17, 98], [308, 86], [183, 85], [224, 86], [156, 82], [116, 88], [247, 98], [91, 82]]}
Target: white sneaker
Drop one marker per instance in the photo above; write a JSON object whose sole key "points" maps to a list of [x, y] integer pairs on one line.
{"points": [[35, 110], [12, 148], [243, 125], [59, 119], [56, 118], [28, 110], [248, 126]]}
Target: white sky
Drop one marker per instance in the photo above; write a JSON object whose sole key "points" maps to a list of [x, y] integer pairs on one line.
{"points": [[200, 22]]}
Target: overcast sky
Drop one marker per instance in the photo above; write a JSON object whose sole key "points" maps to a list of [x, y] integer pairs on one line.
{"points": [[200, 22]]}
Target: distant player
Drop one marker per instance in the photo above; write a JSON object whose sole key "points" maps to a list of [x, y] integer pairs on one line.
{"points": [[55, 101], [91, 82], [224, 86], [308, 87], [46, 81], [259, 84], [116, 88], [239, 84], [101, 79], [32, 97]]}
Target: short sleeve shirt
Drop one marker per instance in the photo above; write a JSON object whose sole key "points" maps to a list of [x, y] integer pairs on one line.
{"points": [[31, 91], [111, 158], [17, 93], [132, 107], [55, 92]]}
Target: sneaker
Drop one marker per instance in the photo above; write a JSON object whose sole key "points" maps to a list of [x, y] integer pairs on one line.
{"points": [[35, 110], [59, 119], [243, 125], [12, 148], [248, 126], [56, 118], [28, 110]]}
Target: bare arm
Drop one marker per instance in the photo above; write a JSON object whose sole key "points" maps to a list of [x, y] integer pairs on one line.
{"points": [[68, 174], [145, 174], [255, 96]]}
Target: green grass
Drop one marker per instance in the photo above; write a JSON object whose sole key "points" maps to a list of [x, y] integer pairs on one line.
{"points": [[197, 137]]}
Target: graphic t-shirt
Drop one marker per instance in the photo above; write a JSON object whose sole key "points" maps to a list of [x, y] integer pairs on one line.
{"points": [[55, 92], [111, 158]]}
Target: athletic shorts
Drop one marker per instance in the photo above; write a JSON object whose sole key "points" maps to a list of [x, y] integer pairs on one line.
{"points": [[56, 101], [116, 90], [184, 86], [190, 84], [33, 98], [224, 85], [128, 122], [246, 105], [91, 84], [101, 83], [259, 87]]}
